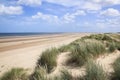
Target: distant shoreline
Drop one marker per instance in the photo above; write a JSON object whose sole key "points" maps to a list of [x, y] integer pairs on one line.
{"points": [[25, 34]]}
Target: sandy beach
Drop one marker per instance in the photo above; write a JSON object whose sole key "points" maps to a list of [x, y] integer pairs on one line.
{"points": [[24, 51]]}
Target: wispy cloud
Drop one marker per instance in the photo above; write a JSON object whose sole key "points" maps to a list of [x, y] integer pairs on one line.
{"points": [[67, 18], [10, 10], [110, 12], [30, 2]]}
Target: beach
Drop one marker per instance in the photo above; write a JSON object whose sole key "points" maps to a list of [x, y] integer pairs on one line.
{"points": [[23, 51]]}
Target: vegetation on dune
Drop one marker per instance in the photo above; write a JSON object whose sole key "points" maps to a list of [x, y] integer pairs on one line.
{"points": [[111, 47], [85, 49], [102, 37], [48, 59], [94, 71], [64, 48], [116, 36], [40, 73], [15, 74], [111, 43], [116, 67], [117, 44], [65, 75]]}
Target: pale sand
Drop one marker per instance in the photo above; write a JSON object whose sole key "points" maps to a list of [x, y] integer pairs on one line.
{"points": [[23, 52]]}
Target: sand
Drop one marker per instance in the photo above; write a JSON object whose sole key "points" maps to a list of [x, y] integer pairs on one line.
{"points": [[23, 51]]}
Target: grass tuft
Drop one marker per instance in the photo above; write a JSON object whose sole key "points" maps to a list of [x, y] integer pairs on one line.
{"points": [[15, 74], [116, 67], [48, 59], [64, 48], [94, 72], [111, 47], [39, 74], [83, 50], [66, 75]]}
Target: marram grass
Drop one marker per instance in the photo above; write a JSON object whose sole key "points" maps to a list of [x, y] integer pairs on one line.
{"points": [[48, 59], [116, 67], [85, 49], [94, 71], [15, 74], [40, 73]]}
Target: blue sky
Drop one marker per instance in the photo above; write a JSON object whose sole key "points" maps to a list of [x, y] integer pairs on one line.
{"points": [[59, 15]]}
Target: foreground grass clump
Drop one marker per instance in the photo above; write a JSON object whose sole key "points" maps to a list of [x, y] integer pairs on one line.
{"points": [[65, 75], [48, 59], [85, 49], [15, 74], [94, 71], [39, 74], [116, 67]]}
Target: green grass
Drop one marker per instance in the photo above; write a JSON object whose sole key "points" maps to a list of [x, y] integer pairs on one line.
{"points": [[94, 72], [107, 39], [111, 47], [40, 73], [117, 45], [65, 75], [48, 59], [102, 37], [116, 67], [117, 36], [85, 49], [15, 74], [64, 48]]}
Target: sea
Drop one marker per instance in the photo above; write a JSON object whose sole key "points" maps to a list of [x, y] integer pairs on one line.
{"points": [[24, 34]]}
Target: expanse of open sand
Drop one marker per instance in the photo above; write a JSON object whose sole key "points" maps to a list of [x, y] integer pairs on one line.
{"points": [[23, 51]]}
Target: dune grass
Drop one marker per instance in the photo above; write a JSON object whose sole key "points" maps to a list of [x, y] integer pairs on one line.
{"points": [[117, 44], [111, 47], [48, 59], [107, 39], [94, 71], [65, 75], [102, 37], [64, 48], [15, 74], [116, 67], [85, 49], [40, 73]]}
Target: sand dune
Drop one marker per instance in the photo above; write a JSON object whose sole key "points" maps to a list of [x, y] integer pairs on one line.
{"points": [[24, 51], [105, 61]]}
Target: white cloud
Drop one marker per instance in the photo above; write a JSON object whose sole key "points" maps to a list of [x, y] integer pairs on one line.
{"points": [[10, 10], [91, 6], [67, 18], [115, 22], [46, 17], [71, 17], [68, 3], [85, 4], [110, 12], [30, 2]]}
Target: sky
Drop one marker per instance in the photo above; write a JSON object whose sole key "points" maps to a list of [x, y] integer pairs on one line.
{"points": [[59, 16]]}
